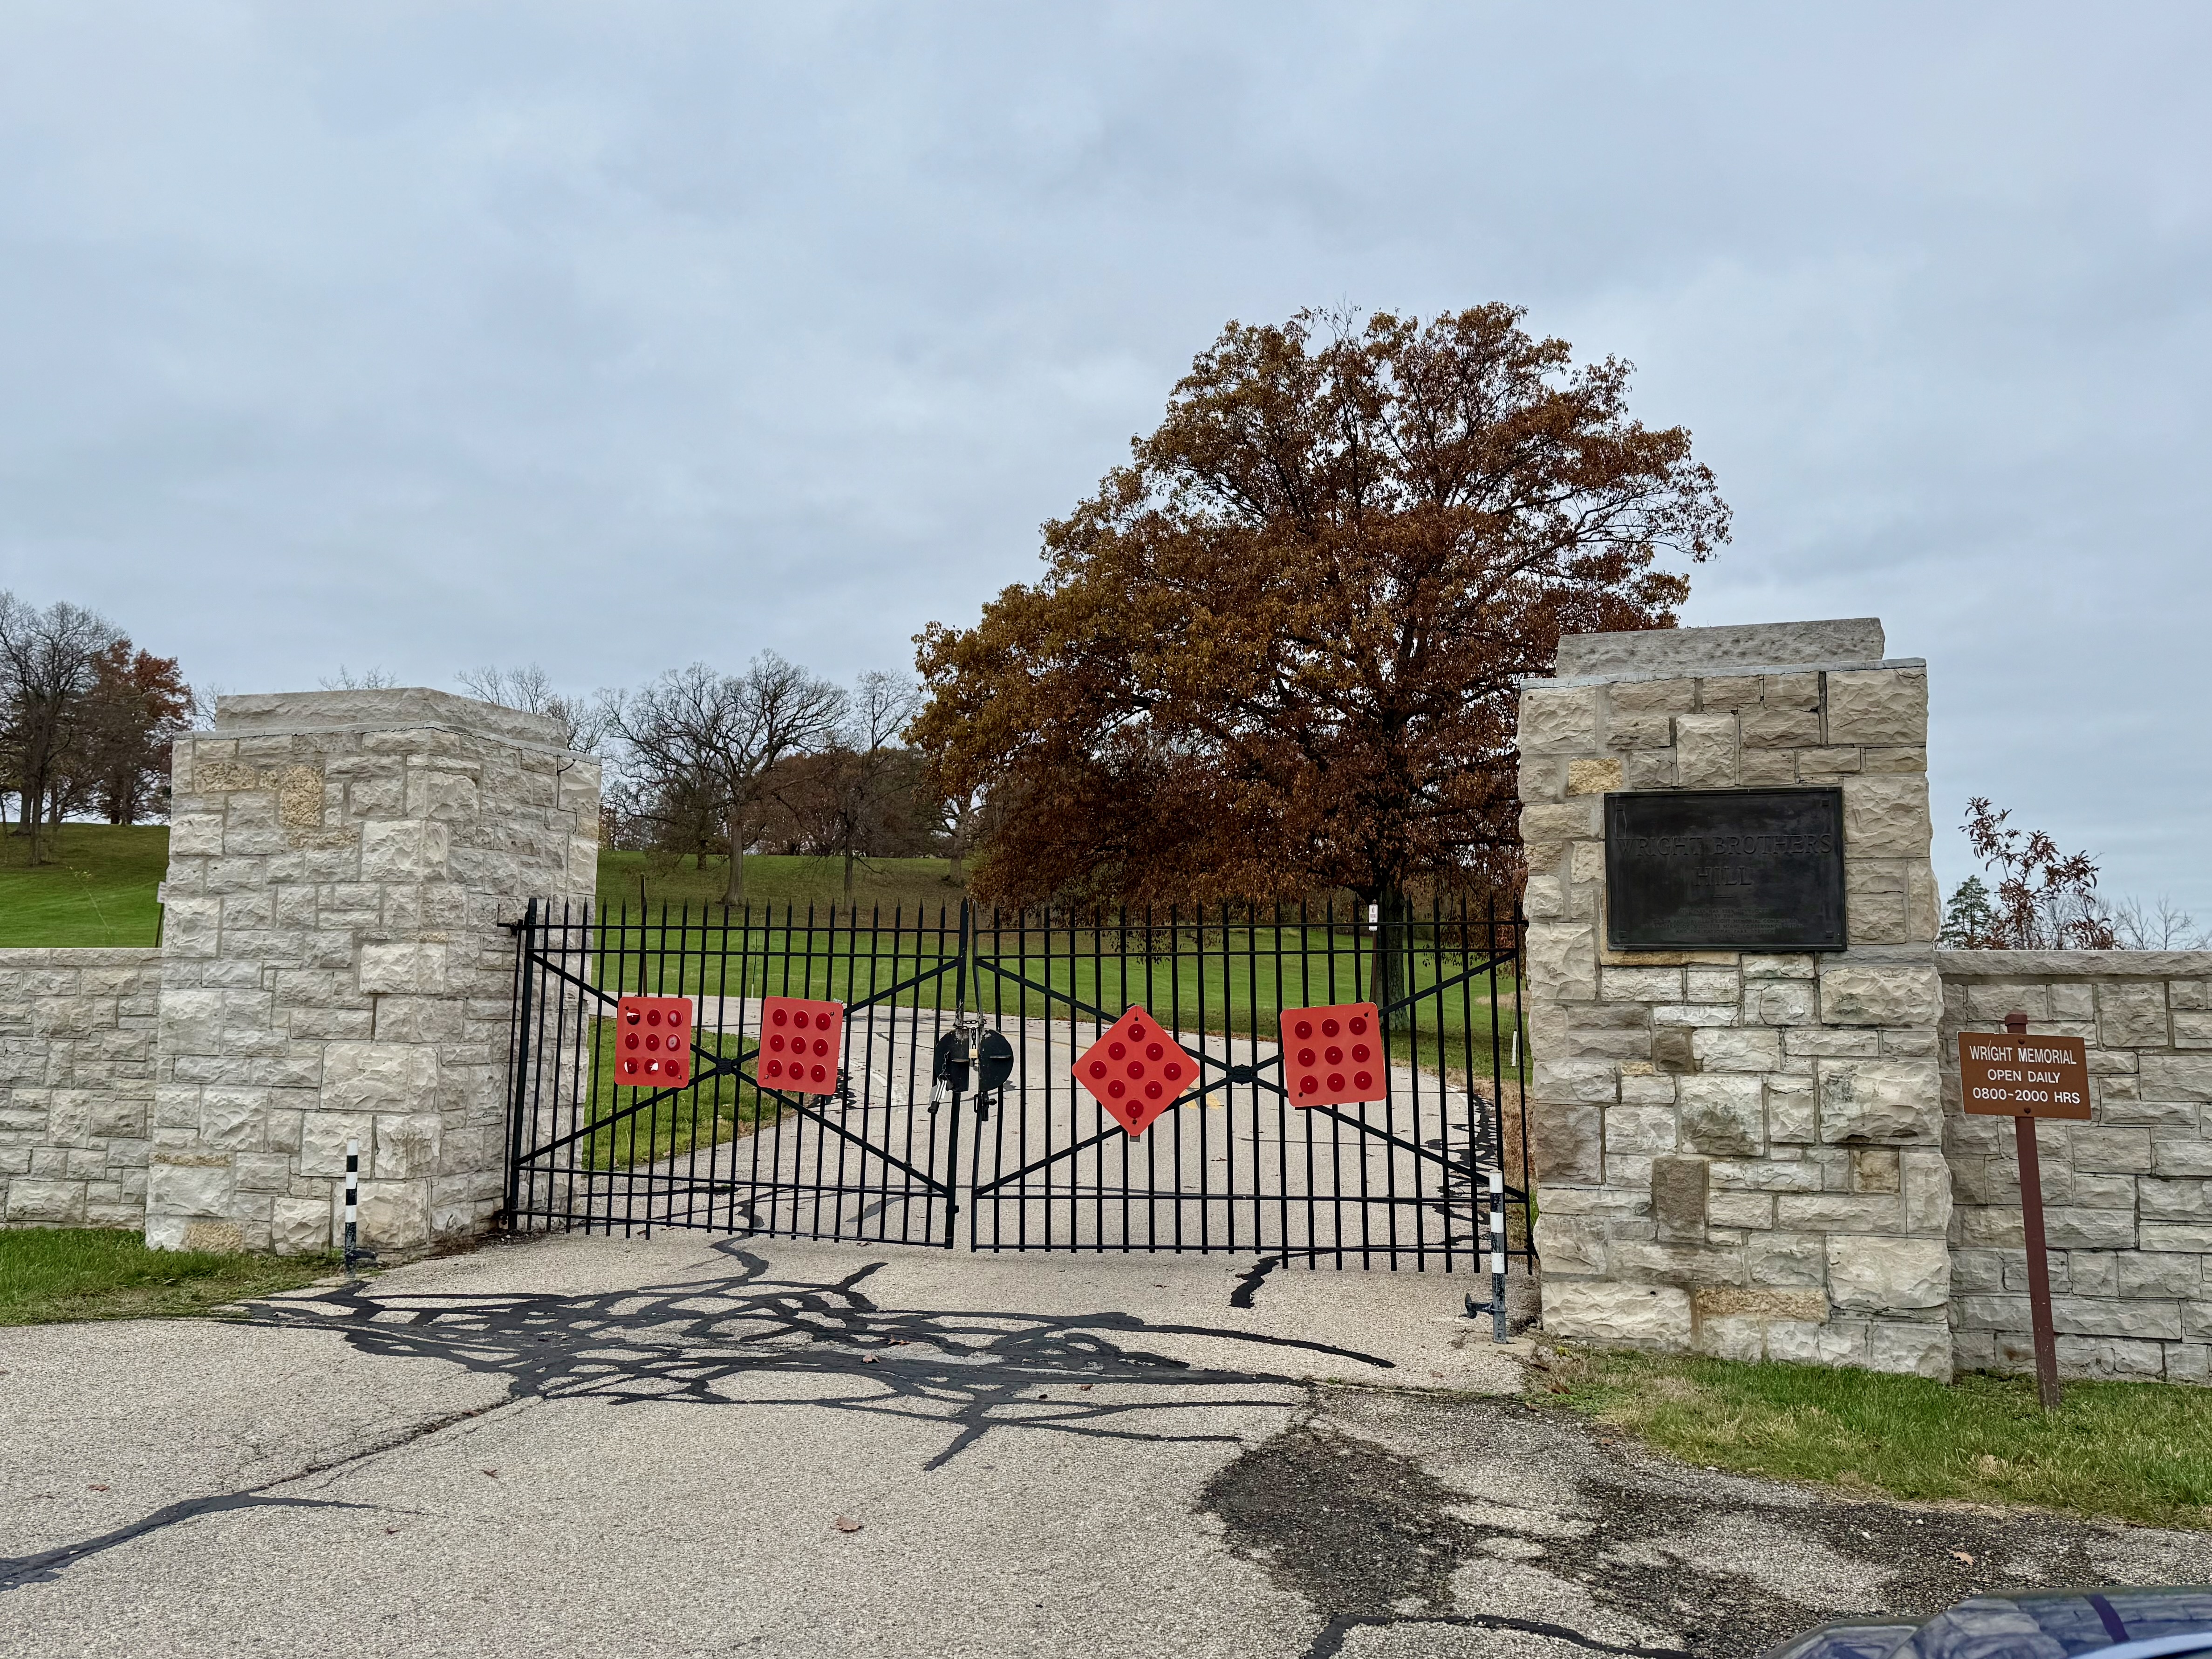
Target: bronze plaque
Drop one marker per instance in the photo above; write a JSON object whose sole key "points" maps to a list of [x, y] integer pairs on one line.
{"points": [[2001, 1075], [1724, 870]]}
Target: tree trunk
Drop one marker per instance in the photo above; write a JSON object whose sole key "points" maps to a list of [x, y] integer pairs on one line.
{"points": [[733, 890], [1389, 976], [849, 875]]}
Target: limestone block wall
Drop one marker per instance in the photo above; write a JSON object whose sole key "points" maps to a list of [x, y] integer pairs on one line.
{"points": [[76, 1084], [1739, 1153], [337, 963], [2127, 1196]]}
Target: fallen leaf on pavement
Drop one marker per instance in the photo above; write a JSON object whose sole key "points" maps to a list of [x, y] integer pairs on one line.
{"points": [[846, 1523], [1961, 1555]]}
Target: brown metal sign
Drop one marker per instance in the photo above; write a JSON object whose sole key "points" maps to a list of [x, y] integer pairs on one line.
{"points": [[2010, 1075]]}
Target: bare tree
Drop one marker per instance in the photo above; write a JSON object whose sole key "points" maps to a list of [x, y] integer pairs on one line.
{"points": [[861, 800], [48, 663], [2160, 926], [586, 723], [700, 740], [369, 679], [959, 819]]}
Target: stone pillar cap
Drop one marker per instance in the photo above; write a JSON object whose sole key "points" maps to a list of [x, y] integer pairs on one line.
{"points": [[397, 709], [1662, 651]]}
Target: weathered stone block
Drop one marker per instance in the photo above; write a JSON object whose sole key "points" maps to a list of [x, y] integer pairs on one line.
{"points": [[1765, 768], [2159, 1199], [1641, 984], [2176, 1076], [1569, 1247], [1579, 1082], [1781, 728], [1640, 1129], [1676, 696], [1745, 1209], [378, 1077], [1879, 1275], [1881, 1101], [1705, 751], [407, 1144], [406, 969], [1544, 898], [1563, 961], [1839, 1212], [1805, 1343], [2132, 1015], [1677, 1263], [1886, 817], [2095, 1148], [1639, 731], [2067, 1229], [1721, 1115], [1568, 1145], [1781, 1003], [1878, 706], [204, 1188], [1754, 1048], [1826, 765], [395, 1214], [1901, 994], [1784, 1258], [1641, 1316], [1909, 1349], [1792, 1115], [1556, 719], [1678, 1197], [1592, 777]]}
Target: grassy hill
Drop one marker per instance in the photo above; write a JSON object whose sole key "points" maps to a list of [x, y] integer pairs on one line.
{"points": [[98, 891], [654, 879]]}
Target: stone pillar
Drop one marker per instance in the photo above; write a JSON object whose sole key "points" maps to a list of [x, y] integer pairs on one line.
{"points": [[336, 962], [1739, 1153]]}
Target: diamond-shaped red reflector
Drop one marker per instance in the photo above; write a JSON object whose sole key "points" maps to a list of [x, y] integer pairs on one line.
{"points": [[1135, 1071], [653, 1043], [1334, 1056], [802, 1045]]}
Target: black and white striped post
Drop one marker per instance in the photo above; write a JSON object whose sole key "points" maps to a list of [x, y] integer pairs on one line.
{"points": [[352, 1205], [1498, 1333]]}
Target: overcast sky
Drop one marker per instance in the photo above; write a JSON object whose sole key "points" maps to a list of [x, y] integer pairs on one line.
{"points": [[614, 337]]}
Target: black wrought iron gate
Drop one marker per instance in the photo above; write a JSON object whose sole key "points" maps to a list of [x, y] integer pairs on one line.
{"points": [[1435, 1175]]}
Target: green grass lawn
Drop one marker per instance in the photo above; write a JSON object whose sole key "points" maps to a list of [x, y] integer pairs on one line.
{"points": [[1217, 978], [2133, 1451], [626, 1133], [51, 1274], [654, 879], [98, 889]]}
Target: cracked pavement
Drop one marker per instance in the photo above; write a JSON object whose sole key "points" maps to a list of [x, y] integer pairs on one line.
{"points": [[683, 1446]]}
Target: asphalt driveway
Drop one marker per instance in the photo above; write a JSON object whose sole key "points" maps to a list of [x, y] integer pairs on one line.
{"points": [[692, 1447]]}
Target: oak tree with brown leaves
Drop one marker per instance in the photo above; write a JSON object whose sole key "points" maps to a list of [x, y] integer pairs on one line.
{"points": [[1279, 651]]}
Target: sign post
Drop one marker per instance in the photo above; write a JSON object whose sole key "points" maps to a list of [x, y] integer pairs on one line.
{"points": [[2024, 1078]]}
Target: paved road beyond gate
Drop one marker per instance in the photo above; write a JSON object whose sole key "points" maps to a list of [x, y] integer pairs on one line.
{"points": [[1418, 1180]]}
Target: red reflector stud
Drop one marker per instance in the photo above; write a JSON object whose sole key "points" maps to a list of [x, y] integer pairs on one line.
{"points": [[802, 1045], [1334, 1056], [1135, 1071], [653, 1043]]}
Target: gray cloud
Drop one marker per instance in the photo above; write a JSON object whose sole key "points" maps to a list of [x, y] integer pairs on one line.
{"points": [[613, 338]]}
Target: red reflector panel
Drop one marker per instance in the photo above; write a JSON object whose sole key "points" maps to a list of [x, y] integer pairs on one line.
{"points": [[1136, 1071], [802, 1044], [1334, 1056], [653, 1043]]}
